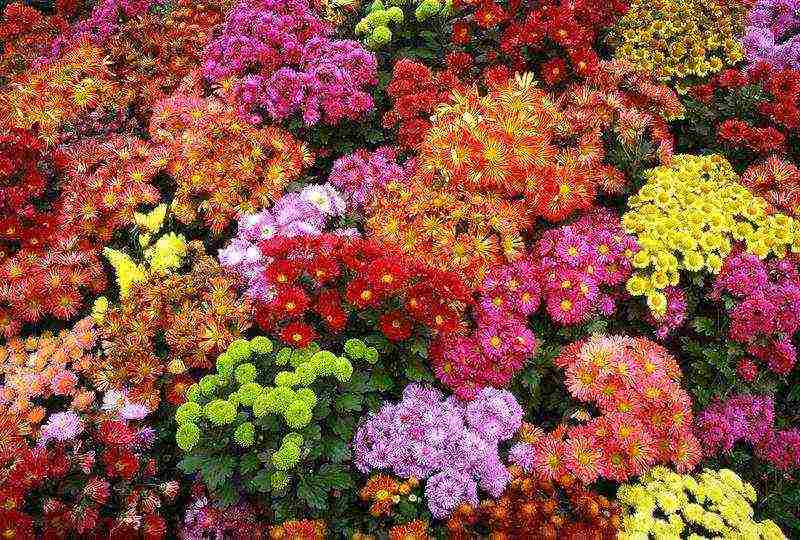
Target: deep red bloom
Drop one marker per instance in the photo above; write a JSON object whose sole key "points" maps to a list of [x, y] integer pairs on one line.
{"points": [[323, 269], [747, 369], [361, 294], [154, 527], [731, 78], [282, 272], [291, 301], [554, 71], [489, 15], [395, 325], [461, 33], [120, 463], [117, 433], [298, 334], [734, 131]]}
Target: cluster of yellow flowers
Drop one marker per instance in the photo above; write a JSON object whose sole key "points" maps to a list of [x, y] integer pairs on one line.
{"points": [[666, 505], [674, 39], [687, 215], [164, 255]]}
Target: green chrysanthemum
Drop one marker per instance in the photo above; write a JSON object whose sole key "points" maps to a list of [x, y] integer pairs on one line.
{"points": [[343, 369], [279, 398], [297, 414], [287, 378], [307, 396], [245, 434], [371, 355], [355, 348], [283, 356], [239, 350], [194, 392], [187, 436], [220, 412], [249, 392], [246, 373], [323, 362], [225, 365], [286, 457], [261, 345], [305, 373], [279, 480], [188, 412], [209, 384], [293, 438]]}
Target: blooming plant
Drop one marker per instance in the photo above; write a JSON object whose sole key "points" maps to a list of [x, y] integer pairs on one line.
{"points": [[718, 503], [460, 439], [642, 423], [404, 269]]}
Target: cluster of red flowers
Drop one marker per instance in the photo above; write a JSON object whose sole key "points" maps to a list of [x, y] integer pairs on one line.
{"points": [[530, 507], [26, 34], [624, 105], [59, 234], [25, 217], [34, 285], [106, 180], [416, 91], [102, 484], [777, 111], [60, 92], [778, 182], [223, 167], [646, 417], [198, 314], [552, 29], [333, 277]]}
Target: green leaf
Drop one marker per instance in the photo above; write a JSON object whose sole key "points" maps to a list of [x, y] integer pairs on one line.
{"points": [[249, 463], [349, 402], [217, 470], [417, 372], [344, 427], [261, 482], [336, 450], [381, 381], [191, 464], [705, 326], [310, 490], [335, 477]]}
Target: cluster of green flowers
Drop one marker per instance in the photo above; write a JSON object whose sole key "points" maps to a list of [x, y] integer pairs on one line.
{"points": [[374, 26], [668, 505], [687, 215], [233, 399], [676, 39]]}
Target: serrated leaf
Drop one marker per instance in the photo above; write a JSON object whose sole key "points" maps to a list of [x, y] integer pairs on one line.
{"points": [[349, 402], [249, 463], [336, 450], [191, 464], [344, 428], [335, 477], [311, 492]]}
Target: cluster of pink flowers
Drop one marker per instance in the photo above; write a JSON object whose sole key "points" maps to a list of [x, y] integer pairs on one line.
{"points": [[646, 417], [748, 419], [501, 343], [278, 56], [579, 263], [359, 174], [766, 314]]}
